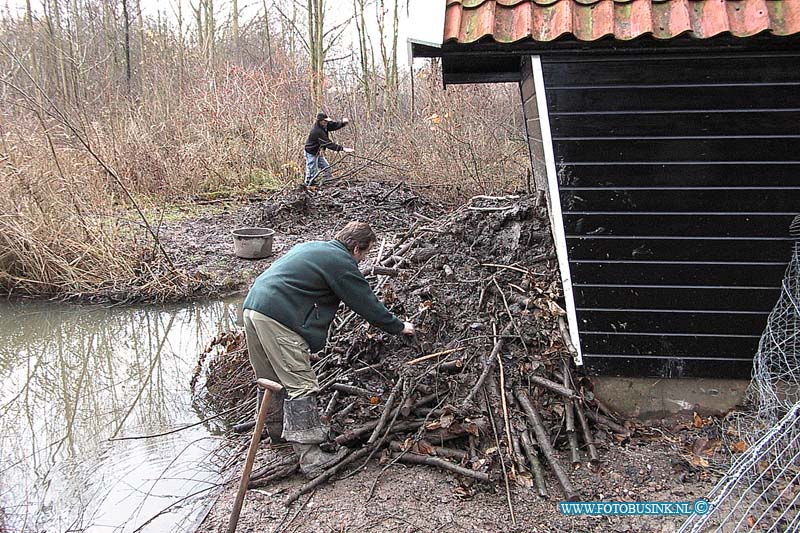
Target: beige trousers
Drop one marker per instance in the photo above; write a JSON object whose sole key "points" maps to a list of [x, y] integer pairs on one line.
{"points": [[279, 354]]}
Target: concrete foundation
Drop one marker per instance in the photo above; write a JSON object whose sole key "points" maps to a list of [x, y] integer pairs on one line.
{"points": [[649, 398]]}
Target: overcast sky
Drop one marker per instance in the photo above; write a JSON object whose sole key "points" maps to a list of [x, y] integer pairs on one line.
{"points": [[425, 22]]}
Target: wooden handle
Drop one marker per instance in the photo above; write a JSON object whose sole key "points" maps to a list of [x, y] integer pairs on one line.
{"points": [[251, 452], [269, 385]]}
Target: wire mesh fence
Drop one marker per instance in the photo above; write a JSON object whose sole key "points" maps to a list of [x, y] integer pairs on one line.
{"points": [[761, 491]]}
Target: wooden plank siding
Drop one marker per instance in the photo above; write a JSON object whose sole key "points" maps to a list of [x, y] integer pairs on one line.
{"points": [[678, 178]]}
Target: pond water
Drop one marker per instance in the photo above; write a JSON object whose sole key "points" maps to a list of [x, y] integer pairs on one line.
{"points": [[74, 377]]}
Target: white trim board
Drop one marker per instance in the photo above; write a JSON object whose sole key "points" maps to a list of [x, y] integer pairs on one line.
{"points": [[554, 205]]}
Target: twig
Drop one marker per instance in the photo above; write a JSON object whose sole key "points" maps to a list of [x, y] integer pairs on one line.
{"points": [[597, 418], [354, 391], [441, 451], [553, 386], [502, 461], [510, 316], [387, 410], [173, 504], [507, 208], [369, 368], [377, 270], [562, 326], [488, 367], [326, 475], [509, 267], [431, 356], [388, 194], [536, 466], [417, 459], [328, 413], [587, 434], [544, 444], [569, 418], [153, 435], [505, 407], [300, 510], [356, 434]]}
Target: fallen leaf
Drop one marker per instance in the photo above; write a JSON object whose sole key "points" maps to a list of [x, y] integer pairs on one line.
{"points": [[739, 447], [424, 447], [464, 493], [698, 421], [555, 308], [699, 445], [374, 400], [524, 480], [447, 420], [472, 429], [751, 521]]}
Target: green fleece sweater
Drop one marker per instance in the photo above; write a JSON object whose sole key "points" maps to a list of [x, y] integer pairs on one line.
{"points": [[302, 291]]}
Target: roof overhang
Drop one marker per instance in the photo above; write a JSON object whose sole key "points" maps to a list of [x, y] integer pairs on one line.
{"points": [[489, 62]]}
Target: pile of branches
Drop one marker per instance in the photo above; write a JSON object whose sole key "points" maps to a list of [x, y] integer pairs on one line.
{"points": [[487, 388]]}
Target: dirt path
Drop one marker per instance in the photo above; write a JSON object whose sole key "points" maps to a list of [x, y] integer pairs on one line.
{"points": [[422, 499]]}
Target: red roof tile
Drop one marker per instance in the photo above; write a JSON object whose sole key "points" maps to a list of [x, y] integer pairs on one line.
{"points": [[508, 21]]}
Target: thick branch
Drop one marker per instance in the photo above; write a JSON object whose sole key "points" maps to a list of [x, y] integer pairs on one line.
{"points": [[543, 439]]}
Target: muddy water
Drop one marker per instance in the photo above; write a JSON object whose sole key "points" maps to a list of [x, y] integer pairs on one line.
{"points": [[71, 379]]}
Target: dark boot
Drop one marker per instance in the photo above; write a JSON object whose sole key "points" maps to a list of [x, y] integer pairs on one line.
{"points": [[273, 424], [303, 429]]}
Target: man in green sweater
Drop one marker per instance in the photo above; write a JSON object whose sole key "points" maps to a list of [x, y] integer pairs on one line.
{"points": [[287, 314]]}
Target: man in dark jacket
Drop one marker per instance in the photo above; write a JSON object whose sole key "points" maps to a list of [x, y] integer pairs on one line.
{"points": [[287, 314], [316, 165]]}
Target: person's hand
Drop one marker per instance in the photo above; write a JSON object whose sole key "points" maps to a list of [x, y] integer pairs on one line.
{"points": [[348, 150], [408, 329]]}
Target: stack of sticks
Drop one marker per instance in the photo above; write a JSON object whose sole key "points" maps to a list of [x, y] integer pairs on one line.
{"points": [[488, 389]]}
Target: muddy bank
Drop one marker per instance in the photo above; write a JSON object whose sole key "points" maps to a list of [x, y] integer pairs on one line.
{"points": [[202, 247]]}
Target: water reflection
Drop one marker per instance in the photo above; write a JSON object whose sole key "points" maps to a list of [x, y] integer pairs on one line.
{"points": [[71, 378]]}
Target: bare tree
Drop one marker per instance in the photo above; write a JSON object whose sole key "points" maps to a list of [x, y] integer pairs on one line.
{"points": [[316, 48], [126, 21], [235, 27], [389, 52], [268, 35], [366, 55]]}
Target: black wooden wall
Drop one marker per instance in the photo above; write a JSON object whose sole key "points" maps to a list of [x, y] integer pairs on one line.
{"points": [[679, 176]]}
